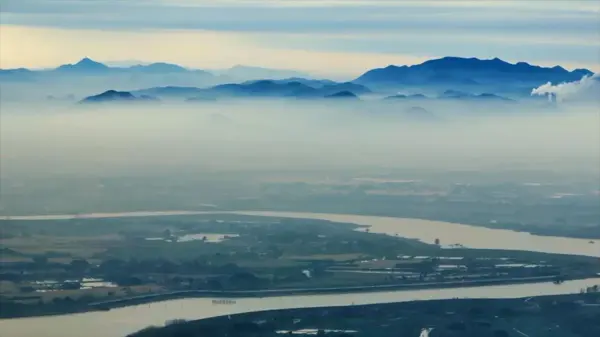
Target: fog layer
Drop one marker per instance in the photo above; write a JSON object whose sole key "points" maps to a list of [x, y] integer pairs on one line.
{"points": [[281, 135]]}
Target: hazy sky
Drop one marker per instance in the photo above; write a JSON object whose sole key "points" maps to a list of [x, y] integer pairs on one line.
{"points": [[324, 37]]}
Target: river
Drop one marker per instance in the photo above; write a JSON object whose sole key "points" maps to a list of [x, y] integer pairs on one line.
{"points": [[453, 233], [120, 322], [424, 230]]}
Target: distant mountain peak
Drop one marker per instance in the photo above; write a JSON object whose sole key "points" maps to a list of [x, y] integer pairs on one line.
{"points": [[160, 67], [343, 95], [85, 64], [462, 62], [109, 95], [86, 60], [461, 72], [117, 96]]}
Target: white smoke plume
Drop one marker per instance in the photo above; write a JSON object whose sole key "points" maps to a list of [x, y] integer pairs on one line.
{"points": [[588, 88]]}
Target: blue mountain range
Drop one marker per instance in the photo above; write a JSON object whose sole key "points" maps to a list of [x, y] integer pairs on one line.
{"points": [[447, 78], [292, 88], [87, 67], [493, 75]]}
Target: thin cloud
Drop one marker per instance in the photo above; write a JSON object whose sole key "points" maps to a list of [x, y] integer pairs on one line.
{"points": [[256, 14], [517, 30]]}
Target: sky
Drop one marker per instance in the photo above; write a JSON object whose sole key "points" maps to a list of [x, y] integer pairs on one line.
{"points": [[327, 37]]}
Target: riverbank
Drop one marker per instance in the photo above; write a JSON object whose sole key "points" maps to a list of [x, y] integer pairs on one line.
{"points": [[284, 256], [428, 231], [240, 294], [531, 316], [123, 321], [537, 231], [450, 234]]}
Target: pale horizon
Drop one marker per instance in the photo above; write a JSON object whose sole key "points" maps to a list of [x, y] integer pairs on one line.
{"points": [[339, 39]]}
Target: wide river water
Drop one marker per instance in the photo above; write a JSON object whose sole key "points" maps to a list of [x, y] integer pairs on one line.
{"points": [[424, 230], [120, 322], [452, 233]]}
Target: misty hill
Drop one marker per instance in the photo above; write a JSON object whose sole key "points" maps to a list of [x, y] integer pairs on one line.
{"points": [[343, 95], [460, 95], [406, 97], [158, 68], [458, 72], [451, 94], [306, 81], [242, 73], [170, 92], [419, 113], [256, 89], [117, 96], [296, 87], [85, 66], [88, 75], [486, 80], [356, 89], [88, 66], [259, 89], [322, 87], [416, 110], [17, 75], [262, 88]]}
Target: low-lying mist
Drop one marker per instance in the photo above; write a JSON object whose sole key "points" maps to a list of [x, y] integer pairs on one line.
{"points": [[169, 139]]}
